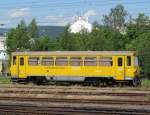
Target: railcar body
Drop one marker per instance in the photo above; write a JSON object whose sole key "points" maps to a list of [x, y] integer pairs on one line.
{"points": [[74, 66]]}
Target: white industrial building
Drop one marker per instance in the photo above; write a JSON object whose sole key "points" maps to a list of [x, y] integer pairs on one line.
{"points": [[3, 54], [81, 24]]}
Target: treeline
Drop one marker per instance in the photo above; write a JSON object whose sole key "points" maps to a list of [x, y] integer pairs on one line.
{"points": [[118, 32]]}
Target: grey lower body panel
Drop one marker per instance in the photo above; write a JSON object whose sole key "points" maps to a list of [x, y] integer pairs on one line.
{"points": [[65, 78], [78, 78]]}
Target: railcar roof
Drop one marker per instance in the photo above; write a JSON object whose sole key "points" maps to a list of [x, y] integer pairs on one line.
{"points": [[74, 53]]}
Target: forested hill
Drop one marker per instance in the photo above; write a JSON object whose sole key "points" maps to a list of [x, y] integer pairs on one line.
{"points": [[3, 30], [50, 31]]}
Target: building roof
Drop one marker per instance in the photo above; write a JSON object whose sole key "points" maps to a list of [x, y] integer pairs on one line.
{"points": [[65, 53]]}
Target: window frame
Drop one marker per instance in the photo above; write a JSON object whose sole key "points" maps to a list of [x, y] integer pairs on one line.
{"points": [[38, 60], [88, 60], [56, 63], [103, 61], [80, 61], [52, 60]]}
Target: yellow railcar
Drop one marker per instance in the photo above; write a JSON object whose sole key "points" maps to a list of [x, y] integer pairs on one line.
{"points": [[75, 66]]}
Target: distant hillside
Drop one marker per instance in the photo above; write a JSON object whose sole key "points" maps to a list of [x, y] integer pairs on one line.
{"points": [[3, 30], [51, 31]]}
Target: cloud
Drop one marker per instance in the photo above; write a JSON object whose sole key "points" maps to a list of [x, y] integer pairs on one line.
{"points": [[3, 22], [90, 13], [15, 13], [60, 20]]}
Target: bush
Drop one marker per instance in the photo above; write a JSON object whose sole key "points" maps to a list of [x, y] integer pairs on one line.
{"points": [[145, 83], [5, 80]]}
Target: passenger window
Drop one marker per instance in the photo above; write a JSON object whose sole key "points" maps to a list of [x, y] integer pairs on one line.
{"points": [[75, 61], [61, 61], [105, 61], [14, 60], [33, 61], [90, 61], [21, 61], [119, 61], [128, 60], [48, 61]]}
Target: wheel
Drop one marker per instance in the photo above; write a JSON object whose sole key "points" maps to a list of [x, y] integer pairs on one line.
{"points": [[39, 80], [136, 81]]}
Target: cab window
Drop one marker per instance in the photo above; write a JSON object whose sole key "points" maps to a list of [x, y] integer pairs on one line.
{"points": [[136, 61], [128, 60]]}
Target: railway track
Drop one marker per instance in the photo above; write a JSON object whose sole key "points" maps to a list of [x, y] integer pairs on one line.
{"points": [[65, 100], [72, 87], [73, 93], [38, 110], [72, 96]]}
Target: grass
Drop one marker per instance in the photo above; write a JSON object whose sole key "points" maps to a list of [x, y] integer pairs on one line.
{"points": [[145, 83], [5, 80]]}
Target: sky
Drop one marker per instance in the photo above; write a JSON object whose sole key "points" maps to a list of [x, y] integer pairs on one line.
{"points": [[63, 12]]}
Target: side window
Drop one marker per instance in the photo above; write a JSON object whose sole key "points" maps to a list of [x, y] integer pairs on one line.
{"points": [[128, 60], [61, 61], [105, 61], [48, 61], [119, 61], [33, 61], [21, 61], [90, 61], [14, 60], [76, 61]]}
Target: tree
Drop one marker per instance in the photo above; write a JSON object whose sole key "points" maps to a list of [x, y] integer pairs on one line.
{"points": [[66, 41], [116, 18], [141, 46], [33, 29], [18, 38], [138, 33], [46, 44], [137, 27]]}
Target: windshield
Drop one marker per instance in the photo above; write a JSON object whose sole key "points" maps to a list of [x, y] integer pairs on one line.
{"points": [[136, 61]]}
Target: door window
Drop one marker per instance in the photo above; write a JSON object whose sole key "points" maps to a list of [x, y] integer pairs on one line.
{"points": [[14, 60], [119, 61], [22, 61]]}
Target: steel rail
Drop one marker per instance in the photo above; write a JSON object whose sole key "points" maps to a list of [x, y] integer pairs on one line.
{"points": [[74, 93], [65, 100], [28, 109]]}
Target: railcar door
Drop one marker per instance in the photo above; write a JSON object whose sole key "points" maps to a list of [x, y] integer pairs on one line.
{"points": [[14, 67], [120, 68], [22, 67]]}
